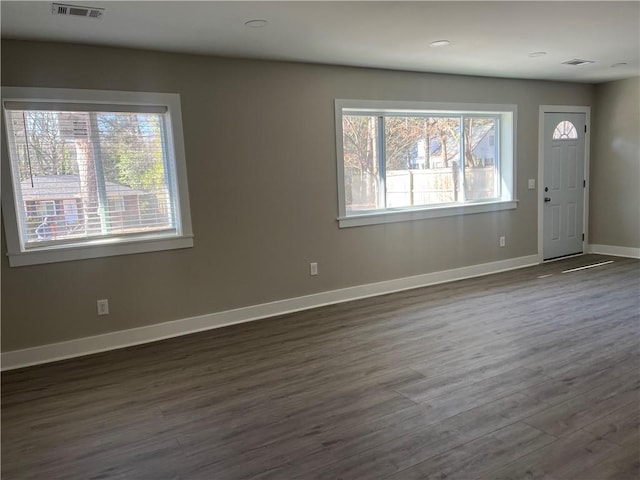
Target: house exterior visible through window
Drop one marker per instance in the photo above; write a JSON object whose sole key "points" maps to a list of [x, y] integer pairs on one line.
{"points": [[401, 161], [104, 172]]}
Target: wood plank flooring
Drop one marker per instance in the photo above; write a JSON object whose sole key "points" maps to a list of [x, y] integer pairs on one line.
{"points": [[529, 374]]}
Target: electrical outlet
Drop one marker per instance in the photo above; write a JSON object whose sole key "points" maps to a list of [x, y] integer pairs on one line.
{"points": [[313, 268], [103, 307], [503, 241]]}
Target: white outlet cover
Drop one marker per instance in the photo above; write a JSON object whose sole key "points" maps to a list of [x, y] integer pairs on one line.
{"points": [[103, 307], [532, 183]]}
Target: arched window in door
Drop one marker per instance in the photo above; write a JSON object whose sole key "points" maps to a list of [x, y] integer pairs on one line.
{"points": [[565, 130]]}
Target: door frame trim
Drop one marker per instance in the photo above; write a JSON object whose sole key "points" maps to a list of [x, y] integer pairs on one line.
{"points": [[587, 141]]}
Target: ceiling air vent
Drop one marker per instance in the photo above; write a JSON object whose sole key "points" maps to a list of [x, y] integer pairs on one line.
{"points": [[577, 62], [76, 10]]}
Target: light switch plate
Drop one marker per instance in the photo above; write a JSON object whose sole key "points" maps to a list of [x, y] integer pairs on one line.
{"points": [[532, 183]]}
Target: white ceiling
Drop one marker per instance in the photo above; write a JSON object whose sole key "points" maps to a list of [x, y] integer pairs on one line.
{"points": [[487, 38]]}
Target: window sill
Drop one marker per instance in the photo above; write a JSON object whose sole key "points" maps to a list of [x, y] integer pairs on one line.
{"points": [[404, 215], [82, 252]]}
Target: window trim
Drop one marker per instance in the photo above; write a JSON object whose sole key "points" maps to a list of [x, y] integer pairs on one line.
{"points": [[102, 247], [506, 136]]}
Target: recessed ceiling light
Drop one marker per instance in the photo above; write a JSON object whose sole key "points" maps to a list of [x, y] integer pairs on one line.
{"points": [[619, 64], [537, 54], [255, 23], [440, 43]]}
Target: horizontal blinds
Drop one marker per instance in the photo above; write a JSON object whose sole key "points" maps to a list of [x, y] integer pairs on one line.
{"points": [[89, 174], [82, 107]]}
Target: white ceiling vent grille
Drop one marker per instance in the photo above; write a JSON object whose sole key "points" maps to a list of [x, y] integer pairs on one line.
{"points": [[76, 10], [577, 62]]}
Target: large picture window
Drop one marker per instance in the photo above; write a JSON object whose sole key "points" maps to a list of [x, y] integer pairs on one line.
{"points": [[399, 161], [93, 174]]}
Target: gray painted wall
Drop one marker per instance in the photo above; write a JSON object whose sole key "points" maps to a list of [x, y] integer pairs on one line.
{"points": [[615, 165], [259, 121]]}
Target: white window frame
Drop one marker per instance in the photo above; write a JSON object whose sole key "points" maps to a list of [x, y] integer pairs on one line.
{"points": [[182, 237], [119, 201], [47, 214], [506, 136]]}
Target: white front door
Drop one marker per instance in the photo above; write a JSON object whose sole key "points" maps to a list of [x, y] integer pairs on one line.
{"points": [[563, 189]]}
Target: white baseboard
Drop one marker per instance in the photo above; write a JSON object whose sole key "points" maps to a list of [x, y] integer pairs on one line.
{"points": [[135, 336], [614, 250]]}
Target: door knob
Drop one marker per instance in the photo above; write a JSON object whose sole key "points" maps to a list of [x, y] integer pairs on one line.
{"points": [[547, 199]]}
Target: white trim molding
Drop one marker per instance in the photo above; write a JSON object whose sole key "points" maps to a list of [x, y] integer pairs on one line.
{"points": [[402, 215], [614, 250], [135, 336]]}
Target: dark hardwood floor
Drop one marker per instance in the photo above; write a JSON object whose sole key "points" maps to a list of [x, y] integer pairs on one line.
{"points": [[529, 374]]}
